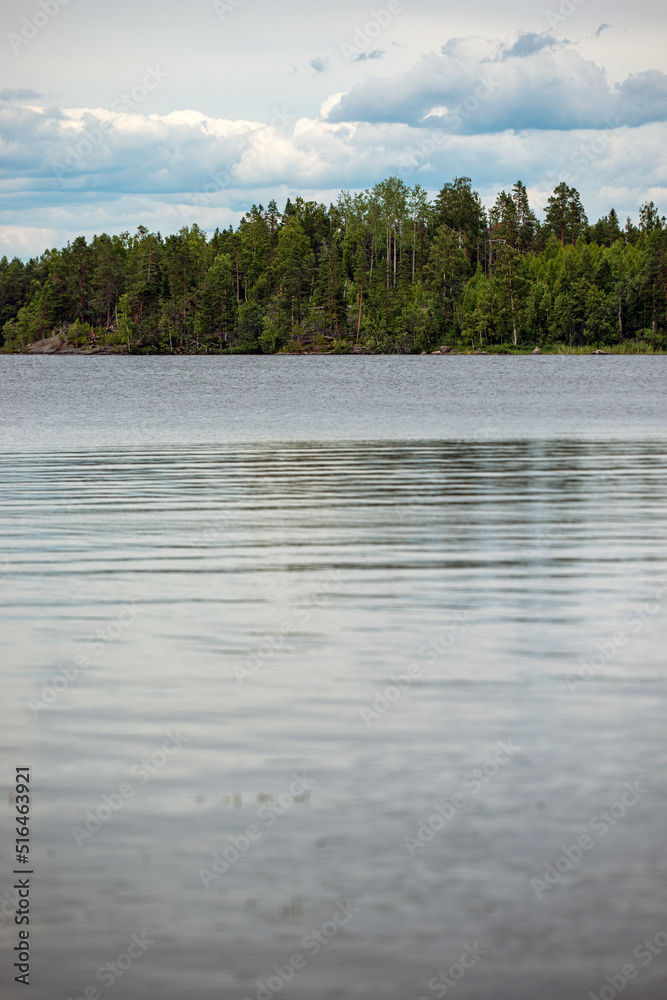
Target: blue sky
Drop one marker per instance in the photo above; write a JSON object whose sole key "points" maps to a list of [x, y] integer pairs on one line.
{"points": [[115, 113]]}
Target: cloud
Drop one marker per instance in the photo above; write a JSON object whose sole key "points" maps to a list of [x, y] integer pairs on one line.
{"points": [[483, 86], [642, 98], [18, 241], [67, 171], [527, 44], [320, 65], [329, 103], [22, 94], [80, 155], [365, 56]]}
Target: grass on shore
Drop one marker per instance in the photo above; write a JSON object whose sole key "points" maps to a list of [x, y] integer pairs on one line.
{"points": [[627, 347]]}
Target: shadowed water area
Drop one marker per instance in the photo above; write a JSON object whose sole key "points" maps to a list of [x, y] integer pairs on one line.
{"points": [[401, 618]]}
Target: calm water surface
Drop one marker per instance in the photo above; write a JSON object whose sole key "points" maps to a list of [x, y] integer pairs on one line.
{"points": [[242, 556]]}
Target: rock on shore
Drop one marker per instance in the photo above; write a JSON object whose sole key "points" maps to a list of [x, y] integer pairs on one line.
{"points": [[58, 345]]}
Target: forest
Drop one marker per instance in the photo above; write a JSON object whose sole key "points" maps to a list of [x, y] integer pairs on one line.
{"points": [[383, 271]]}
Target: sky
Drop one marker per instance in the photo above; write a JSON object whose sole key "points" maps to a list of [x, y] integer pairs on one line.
{"points": [[120, 113]]}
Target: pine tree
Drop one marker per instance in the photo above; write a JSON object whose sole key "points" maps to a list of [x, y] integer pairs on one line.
{"points": [[460, 208], [294, 265]]}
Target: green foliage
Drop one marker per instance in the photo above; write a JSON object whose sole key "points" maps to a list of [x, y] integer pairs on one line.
{"points": [[381, 270], [79, 334], [565, 216]]}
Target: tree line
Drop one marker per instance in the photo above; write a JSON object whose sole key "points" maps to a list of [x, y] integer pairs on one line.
{"points": [[386, 270]]}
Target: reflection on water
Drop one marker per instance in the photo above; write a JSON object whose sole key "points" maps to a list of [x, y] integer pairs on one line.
{"points": [[255, 670]]}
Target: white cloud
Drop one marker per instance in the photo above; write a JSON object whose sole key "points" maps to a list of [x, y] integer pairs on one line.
{"points": [[71, 171], [330, 103], [24, 241], [532, 82]]}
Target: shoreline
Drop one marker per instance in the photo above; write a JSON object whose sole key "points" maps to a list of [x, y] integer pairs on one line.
{"points": [[58, 345], [116, 352]]}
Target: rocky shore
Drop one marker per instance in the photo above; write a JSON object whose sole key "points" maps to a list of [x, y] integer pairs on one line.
{"points": [[58, 345]]}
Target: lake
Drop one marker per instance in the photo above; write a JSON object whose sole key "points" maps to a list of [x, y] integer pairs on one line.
{"points": [[338, 677]]}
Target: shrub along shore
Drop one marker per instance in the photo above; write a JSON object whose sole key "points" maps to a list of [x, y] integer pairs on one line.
{"points": [[385, 271]]}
